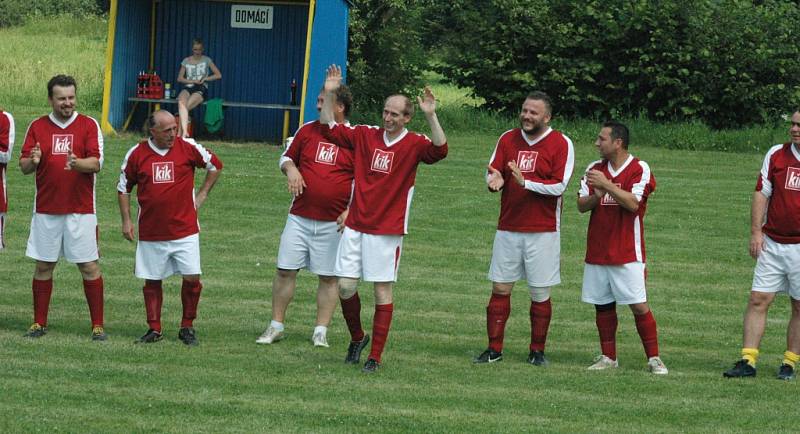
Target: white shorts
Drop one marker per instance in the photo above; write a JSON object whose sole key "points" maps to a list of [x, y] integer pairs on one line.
{"points": [[535, 256], [73, 236], [2, 230], [623, 284], [156, 260], [778, 269], [372, 258], [310, 244]]}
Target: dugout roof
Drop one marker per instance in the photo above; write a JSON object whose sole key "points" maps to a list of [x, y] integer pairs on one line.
{"points": [[257, 64]]}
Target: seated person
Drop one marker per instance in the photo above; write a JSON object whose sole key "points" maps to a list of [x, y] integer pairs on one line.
{"points": [[194, 74]]}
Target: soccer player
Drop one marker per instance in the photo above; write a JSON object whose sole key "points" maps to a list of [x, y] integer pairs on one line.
{"points": [[615, 189], [6, 147], [386, 160], [320, 177], [775, 244], [532, 165], [65, 150], [162, 168]]}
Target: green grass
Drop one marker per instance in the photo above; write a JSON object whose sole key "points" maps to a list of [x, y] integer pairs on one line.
{"points": [[697, 234]]}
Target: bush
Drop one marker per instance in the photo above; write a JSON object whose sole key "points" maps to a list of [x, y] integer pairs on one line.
{"points": [[14, 12], [385, 51], [727, 63]]}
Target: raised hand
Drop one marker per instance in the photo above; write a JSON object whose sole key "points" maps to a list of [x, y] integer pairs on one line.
{"points": [[427, 102], [495, 179], [333, 78], [516, 173]]}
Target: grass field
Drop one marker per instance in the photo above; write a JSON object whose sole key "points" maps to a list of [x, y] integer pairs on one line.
{"points": [[697, 232]]}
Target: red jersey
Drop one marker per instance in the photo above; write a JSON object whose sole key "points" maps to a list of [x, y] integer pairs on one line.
{"points": [[546, 164], [6, 147], [384, 175], [165, 180], [616, 235], [327, 171], [779, 181], [60, 191]]}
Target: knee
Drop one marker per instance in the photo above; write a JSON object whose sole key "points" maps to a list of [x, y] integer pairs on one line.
{"points": [[191, 278], [539, 294], [328, 281], [347, 287], [640, 308], [89, 270], [760, 301], [605, 307], [502, 288], [286, 274], [44, 270]]}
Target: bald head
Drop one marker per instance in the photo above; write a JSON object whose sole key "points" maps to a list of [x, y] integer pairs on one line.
{"points": [[163, 128]]}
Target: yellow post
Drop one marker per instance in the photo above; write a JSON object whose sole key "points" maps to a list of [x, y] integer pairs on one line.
{"points": [[285, 126], [311, 8], [105, 124]]}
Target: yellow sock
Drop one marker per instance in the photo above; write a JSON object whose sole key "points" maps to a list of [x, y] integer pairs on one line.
{"points": [[790, 358], [751, 355]]}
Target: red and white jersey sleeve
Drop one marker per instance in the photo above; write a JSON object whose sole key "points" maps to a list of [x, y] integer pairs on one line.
{"points": [[164, 179], [60, 191], [385, 172], [616, 235], [6, 147], [327, 170], [546, 164], [779, 181]]}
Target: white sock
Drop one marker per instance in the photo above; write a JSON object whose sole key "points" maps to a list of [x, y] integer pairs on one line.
{"points": [[276, 325], [321, 329]]}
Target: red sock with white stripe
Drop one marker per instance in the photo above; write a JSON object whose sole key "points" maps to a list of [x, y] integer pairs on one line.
{"points": [[380, 329], [351, 310], [541, 312], [190, 298], [646, 326], [93, 290], [42, 289], [606, 321], [497, 313], [153, 298]]}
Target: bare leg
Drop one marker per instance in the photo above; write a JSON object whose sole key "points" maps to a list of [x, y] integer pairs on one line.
{"points": [[327, 298], [755, 318], [283, 286]]}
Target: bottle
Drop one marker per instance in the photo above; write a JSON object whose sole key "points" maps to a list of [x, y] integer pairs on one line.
{"points": [[167, 91]]}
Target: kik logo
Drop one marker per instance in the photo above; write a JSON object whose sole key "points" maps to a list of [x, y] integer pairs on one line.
{"points": [[526, 161], [609, 199], [793, 179], [382, 161], [327, 153], [163, 172], [62, 144]]}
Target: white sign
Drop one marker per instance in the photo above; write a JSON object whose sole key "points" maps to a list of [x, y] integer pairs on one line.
{"points": [[251, 17]]}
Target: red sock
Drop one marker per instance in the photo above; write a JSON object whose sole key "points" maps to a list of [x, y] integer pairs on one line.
{"points": [[606, 321], [153, 297], [541, 312], [93, 289], [646, 326], [351, 310], [496, 316], [42, 289], [380, 329], [190, 298]]}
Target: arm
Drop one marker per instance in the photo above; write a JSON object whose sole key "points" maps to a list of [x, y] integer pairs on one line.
{"points": [[215, 73], [182, 76], [625, 199], [757, 213], [208, 184], [557, 183], [82, 165], [29, 164], [494, 179], [427, 103], [6, 138], [333, 78], [294, 180], [125, 212]]}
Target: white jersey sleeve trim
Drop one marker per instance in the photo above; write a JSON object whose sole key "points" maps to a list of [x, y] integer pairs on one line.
{"points": [[638, 188], [495, 152], [561, 187], [100, 143], [766, 184], [204, 153], [5, 157], [122, 185]]}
